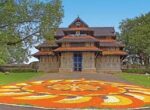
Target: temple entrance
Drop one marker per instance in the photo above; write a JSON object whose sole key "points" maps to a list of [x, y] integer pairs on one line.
{"points": [[77, 61]]}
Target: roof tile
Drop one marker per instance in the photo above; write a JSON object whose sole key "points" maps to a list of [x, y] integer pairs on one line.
{"points": [[47, 44], [40, 53], [114, 52], [98, 31], [77, 39], [65, 49], [110, 43]]}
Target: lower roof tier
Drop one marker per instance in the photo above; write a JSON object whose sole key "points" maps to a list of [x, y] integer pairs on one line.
{"points": [[102, 42], [80, 49], [40, 53], [114, 52], [47, 44], [74, 49], [110, 43]]}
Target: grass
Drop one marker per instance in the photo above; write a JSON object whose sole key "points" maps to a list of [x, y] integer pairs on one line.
{"points": [[17, 77], [139, 79]]}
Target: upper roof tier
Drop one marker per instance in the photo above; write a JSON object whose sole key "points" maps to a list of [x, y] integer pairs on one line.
{"points": [[78, 22], [97, 31], [78, 29], [79, 25]]}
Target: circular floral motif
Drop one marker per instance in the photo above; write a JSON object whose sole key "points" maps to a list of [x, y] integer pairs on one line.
{"points": [[75, 94]]}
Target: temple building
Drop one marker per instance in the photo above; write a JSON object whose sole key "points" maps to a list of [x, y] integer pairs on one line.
{"points": [[80, 48]]}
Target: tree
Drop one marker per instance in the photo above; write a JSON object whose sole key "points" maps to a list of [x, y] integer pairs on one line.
{"points": [[135, 33], [24, 23]]}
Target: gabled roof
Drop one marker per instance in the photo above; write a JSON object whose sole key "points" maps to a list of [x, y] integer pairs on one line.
{"points": [[98, 31], [78, 19]]}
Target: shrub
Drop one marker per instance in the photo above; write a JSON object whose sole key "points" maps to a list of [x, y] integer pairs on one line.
{"points": [[147, 70], [22, 70], [135, 70]]}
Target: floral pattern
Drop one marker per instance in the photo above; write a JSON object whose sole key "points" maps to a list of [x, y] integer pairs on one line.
{"points": [[75, 94]]}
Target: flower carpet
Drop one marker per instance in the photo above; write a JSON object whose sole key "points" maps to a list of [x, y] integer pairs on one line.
{"points": [[75, 94]]}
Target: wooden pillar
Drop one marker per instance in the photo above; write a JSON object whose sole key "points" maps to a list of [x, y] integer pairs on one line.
{"points": [[88, 63], [66, 64]]}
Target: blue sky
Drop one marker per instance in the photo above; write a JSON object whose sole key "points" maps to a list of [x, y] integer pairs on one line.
{"points": [[102, 13]]}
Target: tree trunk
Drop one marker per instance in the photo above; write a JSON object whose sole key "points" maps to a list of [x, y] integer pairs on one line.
{"points": [[146, 60], [140, 58]]}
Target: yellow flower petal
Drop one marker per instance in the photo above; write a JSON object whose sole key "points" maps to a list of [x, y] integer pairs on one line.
{"points": [[36, 97], [116, 100], [14, 93], [9, 90], [142, 97], [78, 99]]}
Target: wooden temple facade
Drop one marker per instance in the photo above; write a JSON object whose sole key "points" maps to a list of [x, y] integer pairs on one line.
{"points": [[80, 48]]}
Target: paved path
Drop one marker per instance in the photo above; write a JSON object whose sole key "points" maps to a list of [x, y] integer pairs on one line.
{"points": [[9, 107], [90, 76]]}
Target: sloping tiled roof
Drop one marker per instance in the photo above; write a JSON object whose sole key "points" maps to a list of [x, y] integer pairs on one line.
{"points": [[114, 52], [107, 40], [40, 53], [72, 49], [110, 43], [47, 44], [77, 39], [98, 31]]}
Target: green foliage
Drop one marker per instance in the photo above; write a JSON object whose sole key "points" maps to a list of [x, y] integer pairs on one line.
{"points": [[138, 70], [22, 70], [136, 35], [147, 70], [17, 77], [135, 70], [138, 79], [24, 23]]}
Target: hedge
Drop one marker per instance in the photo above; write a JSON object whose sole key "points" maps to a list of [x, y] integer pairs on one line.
{"points": [[137, 70]]}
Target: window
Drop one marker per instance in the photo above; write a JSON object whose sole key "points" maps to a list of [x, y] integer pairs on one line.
{"points": [[77, 44], [78, 24], [77, 33]]}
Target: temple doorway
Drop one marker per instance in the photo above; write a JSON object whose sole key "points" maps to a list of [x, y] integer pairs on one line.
{"points": [[77, 61]]}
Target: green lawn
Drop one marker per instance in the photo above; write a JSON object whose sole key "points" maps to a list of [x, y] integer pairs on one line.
{"points": [[17, 77], [139, 79]]}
